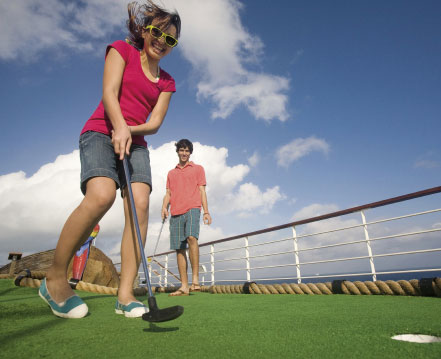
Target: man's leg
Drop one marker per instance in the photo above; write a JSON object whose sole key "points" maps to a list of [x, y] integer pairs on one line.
{"points": [[181, 257], [194, 260]]}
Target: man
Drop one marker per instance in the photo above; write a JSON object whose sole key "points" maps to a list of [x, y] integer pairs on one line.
{"points": [[185, 192]]}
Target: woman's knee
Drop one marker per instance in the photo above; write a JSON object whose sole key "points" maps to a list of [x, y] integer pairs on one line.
{"points": [[141, 193], [142, 204], [101, 194]]}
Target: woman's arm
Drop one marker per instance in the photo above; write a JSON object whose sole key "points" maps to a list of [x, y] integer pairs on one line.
{"points": [[156, 118], [113, 72]]}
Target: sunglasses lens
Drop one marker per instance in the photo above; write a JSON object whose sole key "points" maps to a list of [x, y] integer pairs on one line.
{"points": [[155, 32], [170, 41]]}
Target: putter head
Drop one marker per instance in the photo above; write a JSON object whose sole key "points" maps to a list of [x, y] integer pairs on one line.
{"points": [[156, 315]]}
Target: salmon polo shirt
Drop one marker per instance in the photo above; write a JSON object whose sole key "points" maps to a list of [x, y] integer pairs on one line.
{"points": [[184, 184]]}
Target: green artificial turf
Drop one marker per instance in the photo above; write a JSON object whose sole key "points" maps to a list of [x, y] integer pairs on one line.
{"points": [[222, 326]]}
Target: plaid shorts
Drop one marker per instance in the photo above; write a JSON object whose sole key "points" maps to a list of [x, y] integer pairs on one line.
{"points": [[183, 226]]}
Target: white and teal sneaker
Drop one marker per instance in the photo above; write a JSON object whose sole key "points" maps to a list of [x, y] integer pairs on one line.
{"points": [[131, 310], [72, 307]]}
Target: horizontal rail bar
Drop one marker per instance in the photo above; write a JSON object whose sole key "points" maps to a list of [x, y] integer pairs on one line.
{"points": [[223, 250], [385, 202], [340, 229], [348, 259], [353, 242], [406, 234], [368, 223], [373, 256], [327, 246], [226, 260], [333, 260]]}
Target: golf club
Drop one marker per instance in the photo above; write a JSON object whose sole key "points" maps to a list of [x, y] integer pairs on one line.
{"points": [[155, 314], [159, 236]]}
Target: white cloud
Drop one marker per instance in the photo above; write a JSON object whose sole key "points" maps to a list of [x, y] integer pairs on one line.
{"points": [[299, 148], [427, 164], [250, 198], [254, 159], [317, 209], [225, 192], [428, 160], [220, 54], [260, 93], [213, 40], [314, 210], [33, 209], [28, 27], [298, 55]]}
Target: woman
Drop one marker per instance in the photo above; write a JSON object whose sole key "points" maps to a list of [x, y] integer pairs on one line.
{"points": [[134, 88]]}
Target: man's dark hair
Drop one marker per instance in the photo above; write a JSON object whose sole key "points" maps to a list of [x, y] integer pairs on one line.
{"points": [[183, 144]]}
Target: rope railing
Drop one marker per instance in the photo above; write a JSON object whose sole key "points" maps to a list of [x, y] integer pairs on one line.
{"points": [[414, 287], [33, 280]]}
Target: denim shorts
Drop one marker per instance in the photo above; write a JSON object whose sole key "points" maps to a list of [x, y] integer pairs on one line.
{"points": [[98, 159], [184, 226]]}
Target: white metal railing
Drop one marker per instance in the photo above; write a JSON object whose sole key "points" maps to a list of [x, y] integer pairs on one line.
{"points": [[255, 257]]}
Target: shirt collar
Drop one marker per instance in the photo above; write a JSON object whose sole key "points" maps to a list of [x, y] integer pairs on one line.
{"points": [[189, 163]]}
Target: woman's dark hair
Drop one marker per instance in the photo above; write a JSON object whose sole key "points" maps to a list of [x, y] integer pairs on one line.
{"points": [[184, 143], [142, 15]]}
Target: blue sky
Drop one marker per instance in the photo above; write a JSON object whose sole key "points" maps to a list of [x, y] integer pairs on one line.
{"points": [[292, 104]]}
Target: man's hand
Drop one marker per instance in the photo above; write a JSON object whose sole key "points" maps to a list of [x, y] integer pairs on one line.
{"points": [[207, 218], [164, 213]]}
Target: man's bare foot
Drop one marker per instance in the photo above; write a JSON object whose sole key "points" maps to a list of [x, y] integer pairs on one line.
{"points": [[195, 287], [180, 292]]}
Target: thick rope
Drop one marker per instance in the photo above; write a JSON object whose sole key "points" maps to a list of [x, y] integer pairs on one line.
{"points": [[33, 279], [414, 287]]}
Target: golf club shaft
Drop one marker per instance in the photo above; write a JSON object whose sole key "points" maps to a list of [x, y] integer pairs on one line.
{"points": [[138, 232], [159, 236]]}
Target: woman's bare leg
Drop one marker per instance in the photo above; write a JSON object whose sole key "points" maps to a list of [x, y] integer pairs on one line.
{"points": [[100, 195], [130, 254]]}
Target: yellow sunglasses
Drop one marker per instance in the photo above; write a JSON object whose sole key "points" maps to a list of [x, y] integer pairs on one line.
{"points": [[158, 33]]}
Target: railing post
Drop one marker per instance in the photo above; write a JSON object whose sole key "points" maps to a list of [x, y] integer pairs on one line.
{"points": [[296, 254], [247, 259], [212, 263], [202, 271], [166, 271], [368, 244]]}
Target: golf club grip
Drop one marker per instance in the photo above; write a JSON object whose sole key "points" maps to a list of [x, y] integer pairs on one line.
{"points": [[135, 218]]}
